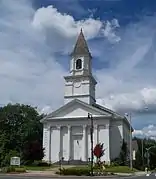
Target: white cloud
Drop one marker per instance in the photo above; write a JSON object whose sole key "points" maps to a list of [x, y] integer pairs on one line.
{"points": [[64, 24], [129, 82], [139, 100], [45, 110], [29, 71], [109, 30], [146, 132], [65, 27]]}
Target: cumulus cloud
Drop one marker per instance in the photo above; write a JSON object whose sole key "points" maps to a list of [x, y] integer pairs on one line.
{"points": [[63, 28], [140, 100], [146, 132], [29, 71], [129, 85]]}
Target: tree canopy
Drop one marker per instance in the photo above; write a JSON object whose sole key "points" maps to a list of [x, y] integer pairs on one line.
{"points": [[141, 155], [20, 133]]}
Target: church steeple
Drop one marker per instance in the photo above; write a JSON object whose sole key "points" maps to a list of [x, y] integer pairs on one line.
{"points": [[81, 57], [80, 84], [81, 47]]}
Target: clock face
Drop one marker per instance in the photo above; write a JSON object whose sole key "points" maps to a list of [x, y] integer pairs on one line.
{"points": [[77, 84]]}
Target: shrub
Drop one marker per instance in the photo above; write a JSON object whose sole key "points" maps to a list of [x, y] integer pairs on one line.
{"points": [[114, 164], [20, 170], [8, 169], [96, 166], [13, 169], [44, 164], [82, 172], [5, 160], [28, 162], [40, 163], [75, 171], [37, 163]]}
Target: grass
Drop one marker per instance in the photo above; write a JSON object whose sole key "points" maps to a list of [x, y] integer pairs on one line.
{"points": [[38, 168], [120, 169], [111, 169]]}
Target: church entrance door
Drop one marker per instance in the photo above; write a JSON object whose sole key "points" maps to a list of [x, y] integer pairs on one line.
{"points": [[77, 147]]}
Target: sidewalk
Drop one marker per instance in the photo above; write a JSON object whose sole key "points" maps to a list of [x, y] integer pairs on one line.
{"points": [[131, 174], [142, 173], [34, 174], [52, 174]]}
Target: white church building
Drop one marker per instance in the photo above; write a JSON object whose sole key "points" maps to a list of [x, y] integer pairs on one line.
{"points": [[66, 131]]}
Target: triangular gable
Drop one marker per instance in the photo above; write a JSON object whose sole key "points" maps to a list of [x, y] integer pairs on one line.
{"points": [[76, 108]]}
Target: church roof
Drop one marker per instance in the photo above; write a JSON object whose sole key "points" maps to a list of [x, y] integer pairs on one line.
{"points": [[81, 47], [107, 110], [95, 107], [71, 103], [102, 111], [114, 114]]}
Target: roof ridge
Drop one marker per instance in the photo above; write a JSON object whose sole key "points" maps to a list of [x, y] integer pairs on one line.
{"points": [[104, 108]]}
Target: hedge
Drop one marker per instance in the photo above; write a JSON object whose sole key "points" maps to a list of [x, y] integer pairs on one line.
{"points": [[81, 172], [12, 169], [74, 171]]}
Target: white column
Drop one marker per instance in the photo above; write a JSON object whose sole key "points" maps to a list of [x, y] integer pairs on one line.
{"points": [[59, 141], [49, 143], [84, 152], [95, 135], [69, 142], [108, 142], [95, 139]]}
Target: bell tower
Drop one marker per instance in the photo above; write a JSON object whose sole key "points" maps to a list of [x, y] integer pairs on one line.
{"points": [[80, 84]]}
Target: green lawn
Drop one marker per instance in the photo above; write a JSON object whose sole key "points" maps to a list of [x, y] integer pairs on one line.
{"points": [[115, 169], [120, 169], [37, 168]]}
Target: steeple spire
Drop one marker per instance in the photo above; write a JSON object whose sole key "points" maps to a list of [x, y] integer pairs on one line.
{"points": [[80, 70], [81, 47]]}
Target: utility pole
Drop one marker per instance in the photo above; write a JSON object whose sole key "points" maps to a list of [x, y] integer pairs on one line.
{"points": [[130, 143], [130, 140], [91, 137], [142, 151]]}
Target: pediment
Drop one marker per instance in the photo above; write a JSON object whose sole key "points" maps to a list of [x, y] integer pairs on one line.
{"points": [[77, 108]]}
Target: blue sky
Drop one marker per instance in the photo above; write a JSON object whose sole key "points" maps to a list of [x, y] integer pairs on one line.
{"points": [[37, 36]]}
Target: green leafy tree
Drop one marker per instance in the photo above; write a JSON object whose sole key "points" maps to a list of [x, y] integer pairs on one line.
{"points": [[124, 153], [20, 127], [141, 159]]}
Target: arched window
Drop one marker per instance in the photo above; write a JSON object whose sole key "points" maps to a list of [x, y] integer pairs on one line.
{"points": [[78, 64]]}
